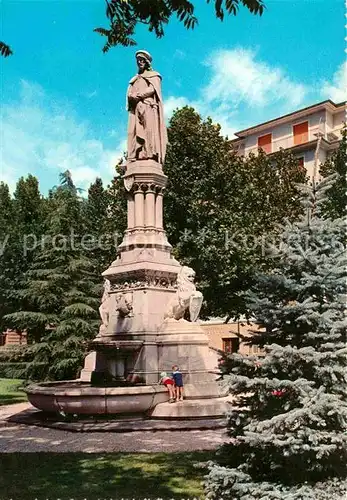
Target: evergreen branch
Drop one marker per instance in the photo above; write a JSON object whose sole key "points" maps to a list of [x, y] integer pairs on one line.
{"points": [[79, 309], [24, 319]]}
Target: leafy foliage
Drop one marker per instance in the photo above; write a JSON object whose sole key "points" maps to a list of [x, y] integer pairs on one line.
{"points": [[5, 49], [221, 210], [287, 425], [219, 221], [125, 15]]}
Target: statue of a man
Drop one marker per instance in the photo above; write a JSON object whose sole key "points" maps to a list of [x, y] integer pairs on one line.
{"points": [[147, 137]]}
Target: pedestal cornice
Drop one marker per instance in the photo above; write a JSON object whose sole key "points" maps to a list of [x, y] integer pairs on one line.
{"points": [[146, 172]]}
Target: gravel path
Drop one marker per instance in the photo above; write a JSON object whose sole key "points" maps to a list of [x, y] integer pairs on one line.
{"points": [[30, 439]]}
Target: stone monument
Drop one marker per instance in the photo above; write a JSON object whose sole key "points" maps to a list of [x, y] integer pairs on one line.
{"points": [[150, 306]]}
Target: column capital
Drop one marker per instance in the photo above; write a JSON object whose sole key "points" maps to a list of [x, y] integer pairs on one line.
{"points": [[151, 188], [139, 187]]}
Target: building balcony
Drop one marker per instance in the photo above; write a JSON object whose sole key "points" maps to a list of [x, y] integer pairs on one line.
{"points": [[297, 143]]}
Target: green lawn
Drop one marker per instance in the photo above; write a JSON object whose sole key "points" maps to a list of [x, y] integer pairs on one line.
{"points": [[115, 476], [10, 391]]}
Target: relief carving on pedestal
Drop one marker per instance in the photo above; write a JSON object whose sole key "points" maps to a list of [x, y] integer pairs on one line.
{"points": [[124, 304], [186, 297], [150, 279]]}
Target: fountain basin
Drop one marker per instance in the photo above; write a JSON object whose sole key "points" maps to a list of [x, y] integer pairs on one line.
{"points": [[83, 399]]}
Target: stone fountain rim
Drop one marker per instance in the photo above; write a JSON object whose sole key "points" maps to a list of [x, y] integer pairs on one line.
{"points": [[59, 388]]}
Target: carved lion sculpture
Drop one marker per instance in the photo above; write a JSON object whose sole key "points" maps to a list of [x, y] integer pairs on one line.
{"points": [[186, 298]]}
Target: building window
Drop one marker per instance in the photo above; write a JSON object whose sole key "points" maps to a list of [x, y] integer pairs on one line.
{"points": [[265, 143], [300, 132], [231, 345]]}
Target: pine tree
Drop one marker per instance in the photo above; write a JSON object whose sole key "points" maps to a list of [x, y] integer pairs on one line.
{"points": [[6, 255], [21, 227], [288, 422], [102, 225], [60, 292], [28, 206]]}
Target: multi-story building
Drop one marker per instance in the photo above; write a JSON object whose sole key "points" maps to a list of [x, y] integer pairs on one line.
{"points": [[310, 133]]}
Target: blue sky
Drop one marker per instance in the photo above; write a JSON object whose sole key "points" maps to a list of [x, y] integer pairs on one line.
{"points": [[63, 100]]}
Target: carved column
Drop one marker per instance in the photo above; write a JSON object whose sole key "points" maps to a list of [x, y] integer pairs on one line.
{"points": [[159, 210], [150, 206], [131, 211], [139, 198]]}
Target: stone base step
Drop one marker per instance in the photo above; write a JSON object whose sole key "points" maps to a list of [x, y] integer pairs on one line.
{"points": [[121, 425], [204, 390], [193, 409]]}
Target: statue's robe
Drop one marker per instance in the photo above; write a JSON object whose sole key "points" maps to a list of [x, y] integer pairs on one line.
{"points": [[147, 136]]}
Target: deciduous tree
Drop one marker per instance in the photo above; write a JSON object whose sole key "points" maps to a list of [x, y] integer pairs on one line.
{"points": [[221, 209]]}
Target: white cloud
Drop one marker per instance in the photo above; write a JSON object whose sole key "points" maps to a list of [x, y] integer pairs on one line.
{"points": [[172, 103], [218, 114], [39, 133], [238, 77], [9, 177], [337, 90], [242, 90], [83, 176]]}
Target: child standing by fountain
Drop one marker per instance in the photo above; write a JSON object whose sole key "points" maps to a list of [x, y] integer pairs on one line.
{"points": [[178, 378], [169, 384]]}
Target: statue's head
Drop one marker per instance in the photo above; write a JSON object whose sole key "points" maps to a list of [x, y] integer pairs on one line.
{"points": [[144, 60]]}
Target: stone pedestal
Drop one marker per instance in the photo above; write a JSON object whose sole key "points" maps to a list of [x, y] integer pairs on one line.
{"points": [[185, 343], [142, 278], [146, 296], [138, 341], [189, 409]]}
